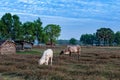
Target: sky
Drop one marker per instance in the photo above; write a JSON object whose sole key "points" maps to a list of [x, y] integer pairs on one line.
{"points": [[76, 17]]}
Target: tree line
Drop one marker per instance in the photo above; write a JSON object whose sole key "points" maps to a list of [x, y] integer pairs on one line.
{"points": [[103, 36], [12, 28]]}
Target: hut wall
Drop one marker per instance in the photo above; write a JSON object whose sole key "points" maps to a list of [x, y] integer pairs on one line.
{"points": [[8, 48]]}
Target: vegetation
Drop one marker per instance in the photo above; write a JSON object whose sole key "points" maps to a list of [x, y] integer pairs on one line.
{"points": [[103, 36], [95, 63], [32, 30], [73, 41], [52, 32], [11, 28], [88, 39], [117, 37]]}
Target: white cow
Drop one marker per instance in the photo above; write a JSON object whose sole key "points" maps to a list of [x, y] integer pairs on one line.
{"points": [[48, 54]]}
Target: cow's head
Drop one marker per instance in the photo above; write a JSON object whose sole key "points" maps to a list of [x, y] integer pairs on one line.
{"points": [[65, 52], [62, 52]]}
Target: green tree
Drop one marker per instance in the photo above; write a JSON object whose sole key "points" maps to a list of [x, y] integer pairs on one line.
{"points": [[7, 22], [52, 32], [73, 41], [10, 26], [16, 28], [105, 36], [88, 39], [2, 31], [38, 30], [117, 37], [28, 30]]}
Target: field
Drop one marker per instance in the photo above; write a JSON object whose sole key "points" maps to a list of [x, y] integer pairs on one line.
{"points": [[95, 63]]}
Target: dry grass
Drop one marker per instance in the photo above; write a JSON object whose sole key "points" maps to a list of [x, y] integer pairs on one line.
{"points": [[95, 63]]}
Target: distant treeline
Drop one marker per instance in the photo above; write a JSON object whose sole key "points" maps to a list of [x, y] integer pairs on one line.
{"points": [[102, 37], [12, 28]]}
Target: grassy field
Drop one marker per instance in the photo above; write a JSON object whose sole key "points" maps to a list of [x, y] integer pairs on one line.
{"points": [[95, 63]]}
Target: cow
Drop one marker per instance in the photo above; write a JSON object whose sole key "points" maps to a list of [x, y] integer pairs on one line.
{"points": [[48, 54], [72, 49]]}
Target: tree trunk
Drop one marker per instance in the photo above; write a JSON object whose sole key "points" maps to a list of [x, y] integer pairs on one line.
{"points": [[51, 42]]}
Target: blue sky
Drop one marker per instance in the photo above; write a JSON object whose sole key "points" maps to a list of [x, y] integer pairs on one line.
{"points": [[75, 17]]}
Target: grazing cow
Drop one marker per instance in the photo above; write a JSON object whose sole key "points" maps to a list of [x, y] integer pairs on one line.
{"points": [[71, 49], [48, 54]]}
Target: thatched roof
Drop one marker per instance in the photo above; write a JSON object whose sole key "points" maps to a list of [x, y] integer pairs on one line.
{"points": [[3, 41]]}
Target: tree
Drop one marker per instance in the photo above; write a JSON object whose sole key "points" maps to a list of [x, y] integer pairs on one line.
{"points": [[73, 41], [16, 25], [7, 22], [10, 26], [52, 32], [28, 30], [38, 30], [88, 39], [117, 37], [105, 36], [2, 30]]}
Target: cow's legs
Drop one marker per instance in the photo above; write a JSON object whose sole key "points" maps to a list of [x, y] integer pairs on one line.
{"points": [[70, 54], [51, 61]]}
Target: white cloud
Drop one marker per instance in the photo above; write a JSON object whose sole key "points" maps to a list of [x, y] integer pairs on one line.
{"points": [[28, 1], [72, 8]]}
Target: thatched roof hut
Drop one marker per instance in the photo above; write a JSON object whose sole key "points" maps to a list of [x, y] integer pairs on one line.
{"points": [[7, 47]]}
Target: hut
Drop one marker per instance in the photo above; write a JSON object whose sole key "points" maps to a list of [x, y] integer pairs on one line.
{"points": [[23, 45], [7, 47]]}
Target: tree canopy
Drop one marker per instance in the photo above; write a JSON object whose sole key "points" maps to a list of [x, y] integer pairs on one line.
{"points": [[103, 36], [117, 37], [38, 33], [73, 41], [52, 32], [12, 28], [88, 39]]}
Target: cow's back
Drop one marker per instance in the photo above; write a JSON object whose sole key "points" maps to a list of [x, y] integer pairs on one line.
{"points": [[74, 48]]}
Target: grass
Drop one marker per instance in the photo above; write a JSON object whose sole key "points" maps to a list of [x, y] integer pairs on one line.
{"points": [[95, 63], [29, 52]]}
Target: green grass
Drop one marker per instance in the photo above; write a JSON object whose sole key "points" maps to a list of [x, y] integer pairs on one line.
{"points": [[28, 52]]}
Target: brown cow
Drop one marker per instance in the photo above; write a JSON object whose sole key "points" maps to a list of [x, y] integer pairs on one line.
{"points": [[72, 49]]}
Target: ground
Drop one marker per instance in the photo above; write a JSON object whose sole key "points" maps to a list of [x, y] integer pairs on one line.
{"points": [[95, 63]]}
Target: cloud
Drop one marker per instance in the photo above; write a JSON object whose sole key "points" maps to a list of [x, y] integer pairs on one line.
{"points": [[77, 13], [73, 8], [28, 1]]}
